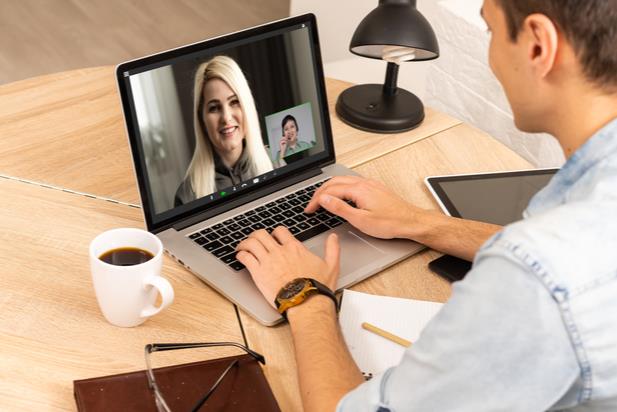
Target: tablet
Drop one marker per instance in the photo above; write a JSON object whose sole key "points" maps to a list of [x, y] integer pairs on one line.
{"points": [[499, 198]]}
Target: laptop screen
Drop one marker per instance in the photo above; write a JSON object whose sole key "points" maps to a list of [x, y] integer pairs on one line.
{"points": [[218, 120]]}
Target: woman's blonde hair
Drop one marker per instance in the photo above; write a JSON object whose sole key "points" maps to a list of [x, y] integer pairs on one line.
{"points": [[201, 169]]}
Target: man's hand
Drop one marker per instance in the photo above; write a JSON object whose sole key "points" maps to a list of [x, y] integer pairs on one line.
{"points": [[275, 260], [282, 147], [378, 212]]}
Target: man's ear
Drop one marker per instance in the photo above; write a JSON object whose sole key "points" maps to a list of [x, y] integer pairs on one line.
{"points": [[543, 38]]}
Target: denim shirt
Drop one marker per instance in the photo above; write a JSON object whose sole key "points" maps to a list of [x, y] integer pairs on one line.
{"points": [[533, 326]]}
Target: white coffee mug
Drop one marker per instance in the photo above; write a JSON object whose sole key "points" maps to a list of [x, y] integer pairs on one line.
{"points": [[127, 294]]}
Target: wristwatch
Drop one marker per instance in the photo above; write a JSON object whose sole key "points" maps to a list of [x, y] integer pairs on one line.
{"points": [[297, 291]]}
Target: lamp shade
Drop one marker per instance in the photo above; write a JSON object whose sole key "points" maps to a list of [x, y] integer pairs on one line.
{"points": [[395, 23]]}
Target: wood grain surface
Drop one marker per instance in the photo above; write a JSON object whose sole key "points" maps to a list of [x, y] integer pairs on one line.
{"points": [[51, 329]]}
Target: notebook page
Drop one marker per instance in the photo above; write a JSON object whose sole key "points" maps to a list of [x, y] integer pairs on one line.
{"points": [[403, 317]]}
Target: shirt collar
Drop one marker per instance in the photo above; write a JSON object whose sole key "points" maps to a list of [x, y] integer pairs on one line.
{"points": [[601, 145]]}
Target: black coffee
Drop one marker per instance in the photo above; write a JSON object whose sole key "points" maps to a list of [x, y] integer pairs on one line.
{"points": [[126, 256]]}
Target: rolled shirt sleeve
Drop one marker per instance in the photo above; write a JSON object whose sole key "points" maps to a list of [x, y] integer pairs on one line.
{"points": [[499, 344]]}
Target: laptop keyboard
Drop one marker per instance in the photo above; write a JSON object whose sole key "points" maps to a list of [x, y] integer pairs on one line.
{"points": [[222, 238]]}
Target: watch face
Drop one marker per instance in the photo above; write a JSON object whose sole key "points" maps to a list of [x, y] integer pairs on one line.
{"points": [[292, 289]]}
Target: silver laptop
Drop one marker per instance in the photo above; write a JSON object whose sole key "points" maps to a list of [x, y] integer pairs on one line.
{"points": [[205, 124]]}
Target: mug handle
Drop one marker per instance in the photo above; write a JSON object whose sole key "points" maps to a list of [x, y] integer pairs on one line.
{"points": [[166, 291]]}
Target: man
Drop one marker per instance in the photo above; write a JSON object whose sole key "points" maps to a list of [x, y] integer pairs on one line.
{"points": [[534, 325]]}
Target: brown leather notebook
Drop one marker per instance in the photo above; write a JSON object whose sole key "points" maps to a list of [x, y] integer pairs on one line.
{"points": [[244, 388]]}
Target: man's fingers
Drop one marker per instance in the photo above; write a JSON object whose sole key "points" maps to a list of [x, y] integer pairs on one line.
{"points": [[333, 253], [340, 190], [283, 235], [248, 260], [338, 180], [340, 208], [266, 240], [254, 247]]}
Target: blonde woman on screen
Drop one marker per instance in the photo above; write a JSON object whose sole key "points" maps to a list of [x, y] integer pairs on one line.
{"points": [[228, 146]]}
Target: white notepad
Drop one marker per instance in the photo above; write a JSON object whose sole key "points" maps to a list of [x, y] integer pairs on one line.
{"points": [[403, 317]]}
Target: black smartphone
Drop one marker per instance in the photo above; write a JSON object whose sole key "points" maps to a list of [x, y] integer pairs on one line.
{"points": [[450, 268]]}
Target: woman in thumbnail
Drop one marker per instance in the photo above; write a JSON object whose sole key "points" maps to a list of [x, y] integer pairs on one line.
{"points": [[228, 146], [289, 143]]}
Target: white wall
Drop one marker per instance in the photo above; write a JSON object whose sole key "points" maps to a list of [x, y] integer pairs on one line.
{"points": [[459, 82]]}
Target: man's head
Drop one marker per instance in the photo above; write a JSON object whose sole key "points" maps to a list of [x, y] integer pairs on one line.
{"points": [[542, 48]]}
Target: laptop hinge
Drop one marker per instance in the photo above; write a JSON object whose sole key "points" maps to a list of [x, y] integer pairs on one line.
{"points": [[288, 181]]}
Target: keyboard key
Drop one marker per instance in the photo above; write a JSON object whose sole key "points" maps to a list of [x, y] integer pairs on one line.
{"points": [[278, 218], [289, 222], [288, 213], [303, 226], [294, 230], [275, 210], [247, 231], [299, 218], [279, 201], [195, 235], [268, 222], [285, 206], [313, 221], [294, 202], [334, 222], [324, 217], [269, 230], [234, 226], [244, 223], [298, 209], [265, 214], [271, 204], [201, 241], [237, 266], [223, 232], [206, 231], [226, 240], [222, 251], [250, 213], [229, 258], [312, 232], [239, 217], [305, 198], [258, 226], [234, 244], [255, 218], [238, 235], [217, 226], [228, 222], [290, 196], [300, 192], [260, 209], [212, 245], [212, 236]]}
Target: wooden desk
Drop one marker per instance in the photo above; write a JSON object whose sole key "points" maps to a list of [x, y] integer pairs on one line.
{"points": [[66, 130], [51, 329]]}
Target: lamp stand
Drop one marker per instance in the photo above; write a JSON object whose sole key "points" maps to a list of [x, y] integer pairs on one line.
{"points": [[380, 108]]}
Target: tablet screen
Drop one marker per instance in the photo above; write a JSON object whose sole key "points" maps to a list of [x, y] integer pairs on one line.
{"points": [[498, 198]]}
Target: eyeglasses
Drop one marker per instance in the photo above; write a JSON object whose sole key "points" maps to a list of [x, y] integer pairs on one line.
{"points": [[159, 347]]}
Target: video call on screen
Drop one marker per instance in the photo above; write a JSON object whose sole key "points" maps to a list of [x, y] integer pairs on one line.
{"points": [[280, 72]]}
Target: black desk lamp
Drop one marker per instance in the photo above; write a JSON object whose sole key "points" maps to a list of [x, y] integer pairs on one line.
{"points": [[396, 32]]}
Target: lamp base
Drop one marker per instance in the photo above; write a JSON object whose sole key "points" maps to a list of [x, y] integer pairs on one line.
{"points": [[366, 107]]}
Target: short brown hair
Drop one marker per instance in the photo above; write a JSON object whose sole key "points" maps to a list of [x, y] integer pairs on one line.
{"points": [[589, 25]]}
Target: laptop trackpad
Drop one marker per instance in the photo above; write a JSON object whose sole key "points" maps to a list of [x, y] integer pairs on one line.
{"points": [[356, 251]]}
